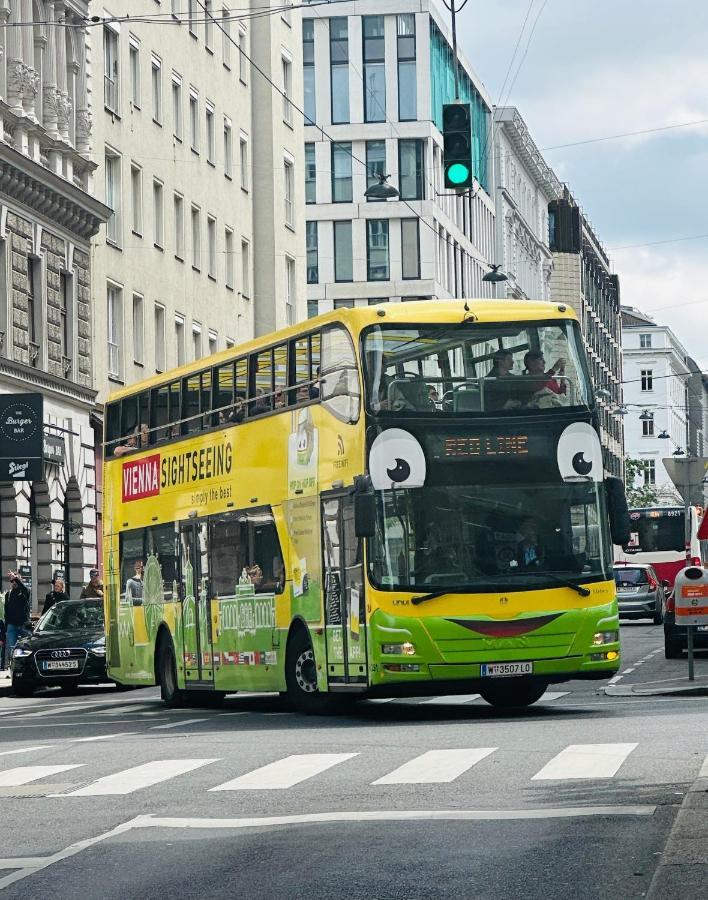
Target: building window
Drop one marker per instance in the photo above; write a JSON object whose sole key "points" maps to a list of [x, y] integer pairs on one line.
{"points": [[194, 120], [374, 69], [192, 16], [156, 90], [34, 303], [66, 331], [177, 105], [179, 339], [310, 174], [159, 213], [113, 198], [243, 55], [210, 134], [114, 327], [407, 102], [134, 58], [342, 173], [339, 69], [648, 426], [377, 259], [287, 67], [343, 265], [344, 303], [228, 149], [179, 226], [196, 238], [245, 270], [243, 159], [645, 341], [647, 379], [208, 6], [211, 246], [111, 70], [136, 198], [138, 329], [229, 254], [312, 308], [410, 169], [375, 162], [160, 362], [649, 471], [289, 290], [410, 248], [289, 191], [308, 69], [311, 249], [196, 340], [226, 37], [213, 342]]}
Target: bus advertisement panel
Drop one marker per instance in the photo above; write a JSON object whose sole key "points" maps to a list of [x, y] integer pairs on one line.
{"points": [[397, 500]]}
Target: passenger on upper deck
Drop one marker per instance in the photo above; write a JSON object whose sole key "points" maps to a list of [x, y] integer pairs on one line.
{"points": [[500, 386], [543, 381]]}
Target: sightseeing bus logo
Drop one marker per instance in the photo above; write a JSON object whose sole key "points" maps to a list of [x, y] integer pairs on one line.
{"points": [[141, 478]]}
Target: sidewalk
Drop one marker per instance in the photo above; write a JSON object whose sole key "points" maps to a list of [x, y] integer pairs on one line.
{"points": [[5, 680], [679, 687]]}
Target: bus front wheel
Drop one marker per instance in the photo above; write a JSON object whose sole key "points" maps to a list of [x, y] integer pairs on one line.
{"points": [[301, 678], [511, 693], [167, 675]]}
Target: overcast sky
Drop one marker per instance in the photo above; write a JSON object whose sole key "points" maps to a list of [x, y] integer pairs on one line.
{"points": [[605, 67]]}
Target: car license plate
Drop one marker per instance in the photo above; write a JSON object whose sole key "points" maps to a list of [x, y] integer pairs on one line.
{"points": [[499, 670], [61, 664]]}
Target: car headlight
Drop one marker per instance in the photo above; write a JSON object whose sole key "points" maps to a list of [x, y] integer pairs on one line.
{"points": [[99, 648], [20, 651]]}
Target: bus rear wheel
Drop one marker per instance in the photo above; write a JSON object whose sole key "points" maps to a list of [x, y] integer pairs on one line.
{"points": [[167, 675], [301, 678], [512, 693]]}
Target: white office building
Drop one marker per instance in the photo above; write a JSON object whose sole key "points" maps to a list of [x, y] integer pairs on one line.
{"points": [[375, 81]]}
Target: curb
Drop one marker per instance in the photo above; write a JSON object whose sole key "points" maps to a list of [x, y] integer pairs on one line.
{"points": [[683, 867], [641, 690]]}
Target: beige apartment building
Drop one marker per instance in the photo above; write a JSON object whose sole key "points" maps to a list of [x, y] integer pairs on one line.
{"points": [[201, 160]]}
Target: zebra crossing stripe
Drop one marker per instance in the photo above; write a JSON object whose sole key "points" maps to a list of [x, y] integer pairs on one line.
{"points": [[178, 724], [284, 773], [553, 695], [26, 774], [130, 780], [585, 761], [25, 750], [452, 700], [436, 766]]}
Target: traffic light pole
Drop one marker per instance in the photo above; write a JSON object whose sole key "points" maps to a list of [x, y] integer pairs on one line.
{"points": [[454, 50]]}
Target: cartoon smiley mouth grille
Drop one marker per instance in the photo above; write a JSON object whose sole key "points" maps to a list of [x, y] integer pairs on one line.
{"points": [[505, 629]]}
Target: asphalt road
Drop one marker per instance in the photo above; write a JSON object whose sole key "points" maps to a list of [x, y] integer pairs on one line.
{"points": [[109, 795]]}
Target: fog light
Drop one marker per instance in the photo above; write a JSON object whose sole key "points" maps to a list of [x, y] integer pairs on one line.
{"points": [[405, 649], [605, 637], [401, 667], [609, 656], [612, 654]]}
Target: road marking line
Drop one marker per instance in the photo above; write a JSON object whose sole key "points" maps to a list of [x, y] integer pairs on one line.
{"points": [[381, 699], [90, 724], [122, 709], [436, 766], [26, 750], [553, 695], [585, 761], [130, 780], [25, 774], [284, 773], [704, 769], [450, 700], [176, 724], [628, 671], [101, 737]]}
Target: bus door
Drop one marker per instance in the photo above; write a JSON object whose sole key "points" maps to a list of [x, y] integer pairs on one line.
{"points": [[343, 580], [195, 596]]}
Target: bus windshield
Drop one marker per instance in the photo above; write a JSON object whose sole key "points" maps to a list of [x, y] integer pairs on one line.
{"points": [[474, 368], [471, 537], [657, 531]]}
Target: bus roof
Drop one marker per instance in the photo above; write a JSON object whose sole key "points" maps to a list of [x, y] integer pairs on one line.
{"points": [[436, 312]]}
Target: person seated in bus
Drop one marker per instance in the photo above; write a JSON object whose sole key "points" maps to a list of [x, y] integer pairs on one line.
{"points": [[131, 443], [261, 404], [537, 381], [255, 575], [279, 398], [433, 558], [500, 385], [529, 552]]}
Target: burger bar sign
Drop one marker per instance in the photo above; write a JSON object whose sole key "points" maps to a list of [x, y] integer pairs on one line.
{"points": [[21, 437]]}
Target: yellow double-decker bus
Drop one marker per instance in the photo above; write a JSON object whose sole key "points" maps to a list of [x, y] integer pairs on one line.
{"points": [[398, 500]]}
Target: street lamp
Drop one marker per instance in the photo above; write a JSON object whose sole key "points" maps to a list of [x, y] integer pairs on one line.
{"points": [[495, 276], [646, 416], [381, 190], [664, 435]]}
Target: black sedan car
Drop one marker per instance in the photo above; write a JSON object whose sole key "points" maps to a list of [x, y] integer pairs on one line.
{"points": [[66, 648]]}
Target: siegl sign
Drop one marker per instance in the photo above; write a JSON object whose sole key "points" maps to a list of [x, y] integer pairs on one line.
{"points": [[21, 437]]}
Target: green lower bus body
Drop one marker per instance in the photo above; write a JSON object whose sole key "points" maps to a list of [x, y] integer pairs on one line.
{"points": [[434, 655]]}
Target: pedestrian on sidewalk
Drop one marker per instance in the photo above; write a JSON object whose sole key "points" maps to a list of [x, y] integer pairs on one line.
{"points": [[94, 588], [56, 595], [17, 612]]}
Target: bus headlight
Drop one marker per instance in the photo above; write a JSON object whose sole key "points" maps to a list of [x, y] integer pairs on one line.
{"points": [[605, 637], [404, 649]]}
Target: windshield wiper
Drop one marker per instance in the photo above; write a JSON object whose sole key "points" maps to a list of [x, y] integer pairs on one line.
{"points": [[431, 596], [566, 582]]}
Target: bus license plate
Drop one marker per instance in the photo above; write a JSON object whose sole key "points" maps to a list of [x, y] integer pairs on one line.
{"points": [[62, 664], [499, 670]]}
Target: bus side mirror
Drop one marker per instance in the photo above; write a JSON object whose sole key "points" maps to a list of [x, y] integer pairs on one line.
{"points": [[620, 528], [364, 507]]}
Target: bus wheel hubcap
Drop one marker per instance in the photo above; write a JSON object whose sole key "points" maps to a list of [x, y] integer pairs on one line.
{"points": [[305, 674]]}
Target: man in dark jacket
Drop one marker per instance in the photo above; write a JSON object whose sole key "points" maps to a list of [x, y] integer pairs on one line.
{"points": [[94, 588], [17, 611], [56, 595]]}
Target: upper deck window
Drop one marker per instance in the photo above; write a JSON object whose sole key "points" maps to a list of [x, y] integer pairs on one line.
{"points": [[483, 369]]}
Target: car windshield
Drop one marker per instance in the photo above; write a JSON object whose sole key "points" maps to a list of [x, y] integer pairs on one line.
{"points": [[472, 537], [69, 616], [474, 368], [629, 577]]}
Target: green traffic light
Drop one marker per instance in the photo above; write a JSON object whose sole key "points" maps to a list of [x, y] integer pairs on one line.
{"points": [[458, 173]]}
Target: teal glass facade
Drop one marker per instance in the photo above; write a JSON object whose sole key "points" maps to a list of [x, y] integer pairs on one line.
{"points": [[442, 90]]}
